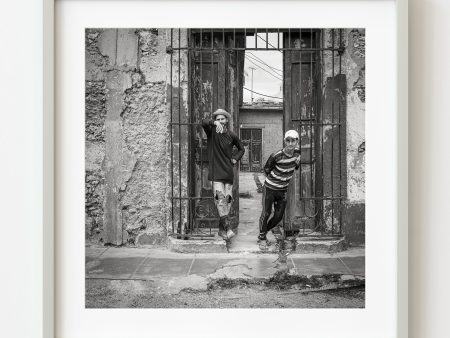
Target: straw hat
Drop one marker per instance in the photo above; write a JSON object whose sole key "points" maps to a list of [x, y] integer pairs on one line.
{"points": [[222, 112]]}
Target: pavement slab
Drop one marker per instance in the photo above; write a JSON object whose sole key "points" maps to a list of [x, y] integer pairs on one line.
{"points": [[357, 265], [319, 266], [163, 267], [115, 268], [193, 282], [206, 266]]}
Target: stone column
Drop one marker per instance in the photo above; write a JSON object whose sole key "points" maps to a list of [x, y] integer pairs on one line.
{"points": [[121, 46]]}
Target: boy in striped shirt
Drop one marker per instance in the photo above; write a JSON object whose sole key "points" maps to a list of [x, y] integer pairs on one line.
{"points": [[279, 170]]}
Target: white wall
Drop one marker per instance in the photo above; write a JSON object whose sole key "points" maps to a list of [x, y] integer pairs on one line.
{"points": [[429, 168]]}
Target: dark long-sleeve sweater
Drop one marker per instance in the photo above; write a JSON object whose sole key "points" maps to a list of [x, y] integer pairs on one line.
{"points": [[220, 152]]}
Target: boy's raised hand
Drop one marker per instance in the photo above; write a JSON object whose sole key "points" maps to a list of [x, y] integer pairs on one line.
{"points": [[219, 127]]}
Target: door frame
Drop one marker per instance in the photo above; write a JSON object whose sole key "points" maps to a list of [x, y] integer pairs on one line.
{"points": [[262, 143]]}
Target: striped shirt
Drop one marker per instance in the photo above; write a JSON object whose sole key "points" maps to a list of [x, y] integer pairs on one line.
{"points": [[279, 169]]}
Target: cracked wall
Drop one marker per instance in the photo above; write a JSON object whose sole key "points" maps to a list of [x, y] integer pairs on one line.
{"points": [[352, 64], [127, 135], [95, 115], [145, 121]]}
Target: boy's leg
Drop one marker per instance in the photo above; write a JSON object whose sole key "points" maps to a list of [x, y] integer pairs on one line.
{"points": [[280, 202], [219, 196], [266, 210], [228, 200], [223, 198], [228, 192]]}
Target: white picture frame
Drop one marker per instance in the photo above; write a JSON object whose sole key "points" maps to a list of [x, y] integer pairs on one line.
{"points": [[51, 176]]}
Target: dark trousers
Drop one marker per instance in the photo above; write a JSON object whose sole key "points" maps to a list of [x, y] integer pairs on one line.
{"points": [[277, 198]]}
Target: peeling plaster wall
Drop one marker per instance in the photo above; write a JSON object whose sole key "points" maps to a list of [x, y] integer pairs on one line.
{"points": [[95, 115], [353, 61], [145, 122], [353, 66], [127, 134]]}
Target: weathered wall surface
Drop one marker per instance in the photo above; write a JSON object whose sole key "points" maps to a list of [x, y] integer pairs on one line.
{"points": [[271, 124], [127, 135], [95, 115], [352, 65], [354, 60]]}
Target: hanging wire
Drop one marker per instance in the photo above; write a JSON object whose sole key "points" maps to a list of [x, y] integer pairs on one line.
{"points": [[277, 73], [267, 42], [274, 97], [256, 65], [263, 62]]}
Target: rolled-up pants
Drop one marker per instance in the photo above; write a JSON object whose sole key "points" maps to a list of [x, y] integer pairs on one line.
{"points": [[223, 198]]}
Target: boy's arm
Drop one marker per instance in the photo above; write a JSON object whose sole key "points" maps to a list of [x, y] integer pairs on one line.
{"points": [[297, 154], [270, 164], [207, 125], [237, 142]]}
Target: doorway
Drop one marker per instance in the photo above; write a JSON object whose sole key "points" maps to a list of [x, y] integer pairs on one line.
{"points": [[313, 100], [251, 138]]}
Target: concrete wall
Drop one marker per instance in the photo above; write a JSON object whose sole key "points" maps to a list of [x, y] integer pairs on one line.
{"points": [[127, 134], [352, 64], [271, 124]]}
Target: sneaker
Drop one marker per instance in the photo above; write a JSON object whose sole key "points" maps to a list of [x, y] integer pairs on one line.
{"points": [[281, 230], [223, 234], [263, 245], [230, 234], [262, 237]]}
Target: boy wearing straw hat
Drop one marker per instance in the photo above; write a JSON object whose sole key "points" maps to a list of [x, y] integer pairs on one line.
{"points": [[220, 141]]}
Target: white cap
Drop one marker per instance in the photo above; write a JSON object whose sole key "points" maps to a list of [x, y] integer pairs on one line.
{"points": [[291, 133]]}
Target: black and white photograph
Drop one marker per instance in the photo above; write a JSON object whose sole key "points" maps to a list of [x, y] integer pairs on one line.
{"points": [[225, 167]]}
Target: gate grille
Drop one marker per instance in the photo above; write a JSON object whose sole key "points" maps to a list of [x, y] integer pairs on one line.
{"points": [[206, 71]]}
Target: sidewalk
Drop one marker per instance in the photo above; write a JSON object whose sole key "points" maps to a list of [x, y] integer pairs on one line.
{"points": [[171, 271], [177, 271]]}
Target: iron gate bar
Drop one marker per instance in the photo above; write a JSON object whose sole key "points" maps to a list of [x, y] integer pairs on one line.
{"points": [[212, 96], [340, 140], [190, 133], [171, 129], [258, 49], [313, 191], [290, 99], [185, 123], [193, 198], [340, 56], [179, 130], [300, 111], [319, 124], [201, 110], [249, 30], [332, 139], [313, 101], [322, 203]]}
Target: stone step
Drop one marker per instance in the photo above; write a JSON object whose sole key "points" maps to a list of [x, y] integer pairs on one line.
{"points": [[322, 245], [301, 245]]}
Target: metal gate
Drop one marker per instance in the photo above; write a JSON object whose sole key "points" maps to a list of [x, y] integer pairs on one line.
{"points": [[206, 69]]}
